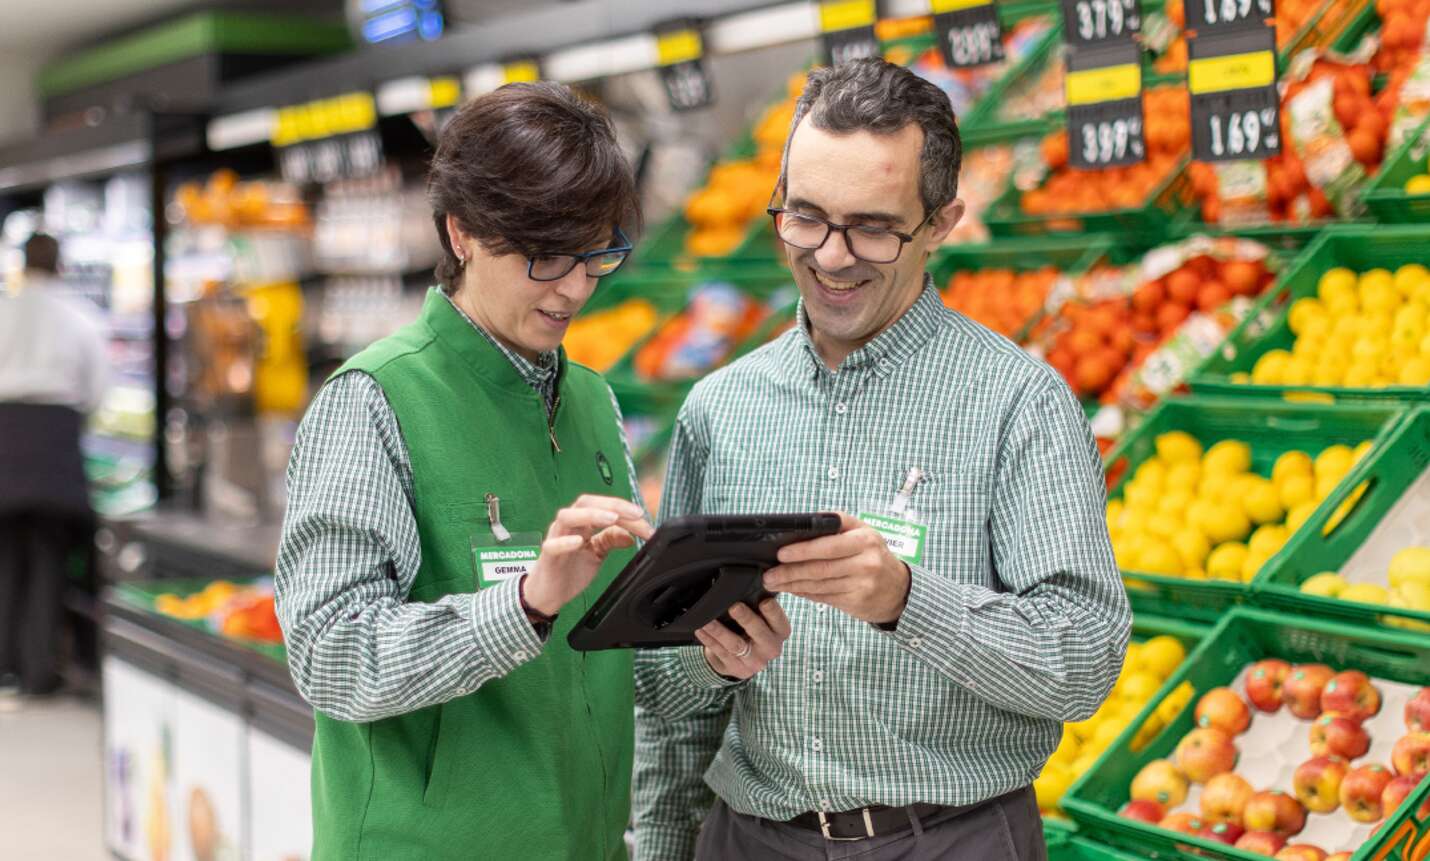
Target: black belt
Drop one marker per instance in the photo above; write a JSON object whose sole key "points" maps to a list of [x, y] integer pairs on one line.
{"points": [[873, 821]]}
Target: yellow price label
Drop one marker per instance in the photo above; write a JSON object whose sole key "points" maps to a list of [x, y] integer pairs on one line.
{"points": [[1231, 72], [444, 92], [680, 46], [1108, 84], [355, 112], [939, 7], [836, 15], [323, 118], [522, 71], [284, 132]]}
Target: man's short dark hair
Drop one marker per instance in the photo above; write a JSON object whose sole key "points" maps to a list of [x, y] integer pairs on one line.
{"points": [[530, 168], [42, 253], [878, 96]]}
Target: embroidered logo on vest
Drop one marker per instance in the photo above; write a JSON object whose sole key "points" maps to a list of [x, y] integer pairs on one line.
{"points": [[604, 466]]}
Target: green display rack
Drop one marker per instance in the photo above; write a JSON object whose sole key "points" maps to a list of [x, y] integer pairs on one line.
{"points": [[1271, 429], [1244, 636], [1358, 247], [1386, 196], [1389, 474], [1076, 849], [1147, 224]]}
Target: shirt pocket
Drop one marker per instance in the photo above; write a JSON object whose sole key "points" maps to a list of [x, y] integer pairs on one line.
{"points": [[956, 510]]}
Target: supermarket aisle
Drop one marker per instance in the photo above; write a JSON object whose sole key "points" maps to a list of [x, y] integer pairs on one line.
{"points": [[50, 781]]}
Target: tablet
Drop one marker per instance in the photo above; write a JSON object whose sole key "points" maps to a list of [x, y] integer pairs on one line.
{"points": [[690, 573]]}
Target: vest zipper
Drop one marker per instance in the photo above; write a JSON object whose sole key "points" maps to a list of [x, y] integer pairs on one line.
{"points": [[551, 423]]}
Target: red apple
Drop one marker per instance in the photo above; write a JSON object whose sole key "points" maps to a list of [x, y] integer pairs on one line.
{"points": [[1337, 735], [1185, 823], [1262, 842], [1224, 799], [1222, 832], [1362, 790], [1351, 694], [1417, 712], [1264, 682], [1222, 709], [1302, 690], [1160, 781], [1317, 783], [1411, 754], [1205, 753], [1398, 790], [1274, 810], [1301, 852], [1144, 811]]}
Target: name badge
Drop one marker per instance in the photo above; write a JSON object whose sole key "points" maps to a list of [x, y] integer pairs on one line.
{"points": [[905, 538], [494, 562]]}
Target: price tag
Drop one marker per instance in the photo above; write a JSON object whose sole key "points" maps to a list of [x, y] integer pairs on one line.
{"points": [[328, 139], [969, 32], [1206, 16], [680, 55], [525, 70], [848, 28], [1104, 96], [1236, 109], [1096, 22]]}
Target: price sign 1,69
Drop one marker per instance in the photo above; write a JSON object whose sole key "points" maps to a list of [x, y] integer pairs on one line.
{"points": [[1090, 22], [1106, 135], [1235, 105], [970, 34], [1219, 14]]}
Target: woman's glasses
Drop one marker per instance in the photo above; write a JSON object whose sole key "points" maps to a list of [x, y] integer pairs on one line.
{"points": [[599, 264]]}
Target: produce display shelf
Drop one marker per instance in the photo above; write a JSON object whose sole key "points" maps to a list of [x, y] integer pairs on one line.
{"points": [[1358, 247], [1247, 635], [1270, 429], [1147, 223], [1386, 196]]}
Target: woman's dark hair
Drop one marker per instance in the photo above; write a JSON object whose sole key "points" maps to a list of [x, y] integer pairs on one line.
{"points": [[530, 169]]}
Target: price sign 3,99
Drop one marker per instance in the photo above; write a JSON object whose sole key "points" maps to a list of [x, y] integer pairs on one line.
{"points": [[1091, 22], [1104, 95]]}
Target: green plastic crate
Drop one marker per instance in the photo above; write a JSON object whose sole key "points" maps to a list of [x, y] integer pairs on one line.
{"points": [[1288, 240], [1357, 247], [1386, 197], [1147, 224], [1076, 849], [142, 595], [1271, 429], [1391, 471], [1244, 636]]}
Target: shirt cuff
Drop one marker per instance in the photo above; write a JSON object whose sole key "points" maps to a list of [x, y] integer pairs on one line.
{"points": [[934, 623], [698, 672], [504, 636]]}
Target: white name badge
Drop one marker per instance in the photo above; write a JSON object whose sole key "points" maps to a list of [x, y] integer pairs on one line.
{"points": [[905, 538], [496, 563]]}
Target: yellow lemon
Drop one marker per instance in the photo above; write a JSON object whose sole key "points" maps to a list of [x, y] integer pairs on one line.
{"points": [[1409, 277], [1151, 472], [1334, 461], [1195, 574], [1114, 514], [1269, 539], [1141, 497], [1298, 372], [1418, 184], [1308, 348], [1416, 372], [1052, 785], [1175, 503], [1161, 655], [1377, 277], [1360, 375], [1270, 368], [1214, 486], [1344, 509], [1365, 593], [1133, 521], [1067, 749], [1327, 584], [1410, 316], [1164, 525], [1298, 515], [1225, 561], [1303, 311], [1368, 348], [1251, 566], [1262, 502], [1140, 686], [1228, 457], [1242, 378], [1184, 477], [1380, 297], [1360, 451], [1126, 552], [1176, 447], [1347, 326], [1410, 565], [1328, 376], [1295, 490], [1339, 280], [1192, 546], [1158, 557], [1291, 463], [1227, 523]]}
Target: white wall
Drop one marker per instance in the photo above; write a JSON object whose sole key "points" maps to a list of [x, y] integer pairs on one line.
{"points": [[19, 111]]}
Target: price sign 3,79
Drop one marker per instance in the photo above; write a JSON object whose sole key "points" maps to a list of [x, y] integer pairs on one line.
{"points": [[1090, 22]]}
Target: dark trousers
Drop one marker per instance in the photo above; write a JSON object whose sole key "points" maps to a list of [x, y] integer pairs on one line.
{"points": [[34, 549], [1007, 828]]}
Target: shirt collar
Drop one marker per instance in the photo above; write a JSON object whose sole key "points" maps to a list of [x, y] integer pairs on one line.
{"points": [[890, 347], [535, 373]]}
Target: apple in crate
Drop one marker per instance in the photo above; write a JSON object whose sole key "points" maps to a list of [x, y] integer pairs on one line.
{"points": [[1182, 823], [1303, 689], [1264, 682], [1351, 694], [1222, 832], [1411, 754], [1417, 712], [1361, 792], [1224, 799], [1204, 753], [1160, 781], [1317, 783], [1301, 852], [1262, 842], [1144, 811], [1275, 811], [1337, 735], [1400, 789], [1222, 709]]}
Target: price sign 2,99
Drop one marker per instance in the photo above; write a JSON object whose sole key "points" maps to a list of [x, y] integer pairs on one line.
{"points": [[1104, 95], [1235, 106], [1092, 22], [969, 32]]}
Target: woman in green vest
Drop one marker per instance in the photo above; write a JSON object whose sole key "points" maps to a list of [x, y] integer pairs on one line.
{"points": [[459, 495]]}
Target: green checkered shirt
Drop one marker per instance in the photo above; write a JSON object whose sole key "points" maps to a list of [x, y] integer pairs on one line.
{"points": [[1016, 621], [358, 650]]}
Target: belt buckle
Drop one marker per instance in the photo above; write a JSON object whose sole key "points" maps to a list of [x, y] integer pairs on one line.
{"points": [[868, 828]]}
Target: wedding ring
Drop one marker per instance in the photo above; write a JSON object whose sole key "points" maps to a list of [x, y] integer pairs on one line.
{"points": [[745, 652]]}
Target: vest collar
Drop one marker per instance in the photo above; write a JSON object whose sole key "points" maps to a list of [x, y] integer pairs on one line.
{"points": [[449, 326]]}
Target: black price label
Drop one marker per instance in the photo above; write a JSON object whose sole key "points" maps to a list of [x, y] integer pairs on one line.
{"points": [[1093, 22], [1204, 15], [969, 32], [1236, 109], [328, 139], [680, 54], [848, 28], [1104, 96]]}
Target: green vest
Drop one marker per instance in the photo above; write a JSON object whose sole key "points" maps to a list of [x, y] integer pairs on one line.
{"points": [[533, 765]]}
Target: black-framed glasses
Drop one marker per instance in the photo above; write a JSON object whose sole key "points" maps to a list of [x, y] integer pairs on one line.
{"points": [[870, 244], [599, 264]]}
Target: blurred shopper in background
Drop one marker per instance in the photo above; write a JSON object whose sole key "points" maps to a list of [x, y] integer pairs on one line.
{"points": [[53, 373]]}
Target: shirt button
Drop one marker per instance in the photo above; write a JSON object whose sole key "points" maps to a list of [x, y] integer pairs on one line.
{"points": [[520, 654], [461, 692], [820, 608], [816, 745], [915, 642], [817, 676], [841, 408], [833, 473], [826, 805]]}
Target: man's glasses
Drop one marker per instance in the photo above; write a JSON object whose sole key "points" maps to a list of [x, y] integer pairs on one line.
{"points": [[599, 264], [870, 244]]}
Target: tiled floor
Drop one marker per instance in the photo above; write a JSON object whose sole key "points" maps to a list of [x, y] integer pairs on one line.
{"points": [[50, 780]]}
